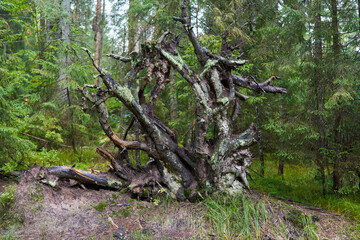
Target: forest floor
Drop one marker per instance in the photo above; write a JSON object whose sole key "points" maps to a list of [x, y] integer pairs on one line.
{"points": [[38, 211]]}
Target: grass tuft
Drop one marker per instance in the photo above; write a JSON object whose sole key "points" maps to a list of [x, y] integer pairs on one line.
{"points": [[235, 217]]}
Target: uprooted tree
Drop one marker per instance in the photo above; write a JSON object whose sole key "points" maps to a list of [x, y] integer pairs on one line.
{"points": [[181, 171]]}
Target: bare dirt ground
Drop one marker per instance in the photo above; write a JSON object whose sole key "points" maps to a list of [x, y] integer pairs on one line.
{"points": [[44, 212]]}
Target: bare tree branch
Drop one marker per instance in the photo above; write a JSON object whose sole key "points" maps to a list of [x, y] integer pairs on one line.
{"points": [[118, 57]]}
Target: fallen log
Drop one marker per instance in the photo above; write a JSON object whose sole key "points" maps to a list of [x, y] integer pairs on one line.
{"points": [[84, 177], [55, 176]]}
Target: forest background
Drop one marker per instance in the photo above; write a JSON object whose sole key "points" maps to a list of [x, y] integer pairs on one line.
{"points": [[309, 143]]}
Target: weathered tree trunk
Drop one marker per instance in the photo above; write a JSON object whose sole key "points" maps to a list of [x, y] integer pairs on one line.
{"points": [[184, 172]]}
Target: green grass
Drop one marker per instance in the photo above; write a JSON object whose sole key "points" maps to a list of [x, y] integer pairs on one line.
{"points": [[301, 183], [235, 217]]}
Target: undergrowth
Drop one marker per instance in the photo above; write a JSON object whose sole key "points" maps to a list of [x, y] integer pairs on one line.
{"points": [[85, 158], [9, 216], [82, 159], [235, 217], [302, 183]]}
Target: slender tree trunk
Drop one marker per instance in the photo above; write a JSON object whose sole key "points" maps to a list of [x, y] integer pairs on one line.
{"points": [[123, 108], [338, 114], [77, 13], [278, 24], [65, 58], [319, 91], [338, 148], [41, 40], [323, 177], [281, 158], [47, 32], [281, 166], [4, 48], [65, 63], [98, 37], [197, 18], [261, 152], [133, 46], [335, 28], [132, 29]]}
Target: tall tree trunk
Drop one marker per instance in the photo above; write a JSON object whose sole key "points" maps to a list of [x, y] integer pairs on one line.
{"points": [[281, 158], [338, 149], [281, 166], [197, 18], [319, 91], [335, 28], [132, 29], [41, 40], [77, 13], [65, 63], [98, 37], [133, 45], [338, 114], [64, 57], [47, 32]]}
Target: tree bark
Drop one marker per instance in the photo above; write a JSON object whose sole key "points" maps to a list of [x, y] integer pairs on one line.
{"points": [[132, 29], [98, 37], [338, 149], [281, 166], [190, 171], [319, 91], [64, 91], [335, 28], [338, 114], [64, 56]]}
